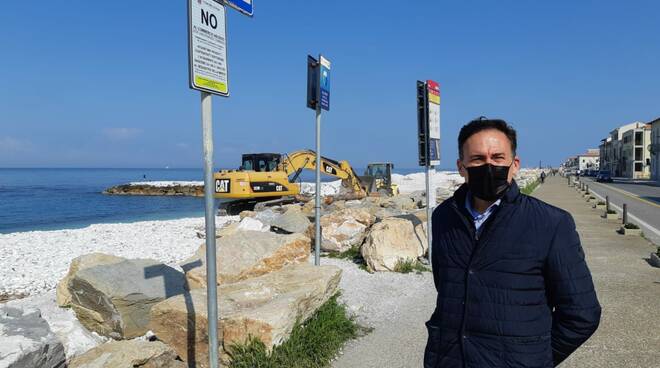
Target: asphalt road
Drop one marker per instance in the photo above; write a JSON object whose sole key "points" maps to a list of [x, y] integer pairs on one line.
{"points": [[642, 200]]}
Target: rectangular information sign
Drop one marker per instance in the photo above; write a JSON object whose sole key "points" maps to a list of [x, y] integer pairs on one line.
{"points": [[244, 6], [433, 109], [207, 47], [324, 84]]}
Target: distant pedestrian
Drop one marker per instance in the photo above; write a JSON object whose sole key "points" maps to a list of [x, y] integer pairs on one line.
{"points": [[542, 177], [513, 286]]}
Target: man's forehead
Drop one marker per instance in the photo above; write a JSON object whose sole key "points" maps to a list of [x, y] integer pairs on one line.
{"points": [[488, 141]]}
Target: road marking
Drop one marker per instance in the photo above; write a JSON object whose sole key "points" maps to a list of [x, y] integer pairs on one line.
{"points": [[633, 217], [631, 195]]}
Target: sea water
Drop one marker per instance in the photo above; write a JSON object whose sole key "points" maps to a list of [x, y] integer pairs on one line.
{"points": [[52, 199]]}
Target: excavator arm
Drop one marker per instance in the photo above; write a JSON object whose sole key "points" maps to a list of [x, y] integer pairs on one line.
{"points": [[294, 162]]}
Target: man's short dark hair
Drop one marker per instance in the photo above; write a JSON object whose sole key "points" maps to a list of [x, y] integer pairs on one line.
{"points": [[483, 123]]}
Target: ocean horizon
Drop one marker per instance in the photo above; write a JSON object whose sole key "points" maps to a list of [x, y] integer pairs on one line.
{"points": [[40, 199]]}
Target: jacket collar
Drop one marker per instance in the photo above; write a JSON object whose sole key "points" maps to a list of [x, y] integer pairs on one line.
{"points": [[510, 196]]}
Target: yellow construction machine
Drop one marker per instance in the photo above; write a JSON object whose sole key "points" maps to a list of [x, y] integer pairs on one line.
{"points": [[271, 177]]}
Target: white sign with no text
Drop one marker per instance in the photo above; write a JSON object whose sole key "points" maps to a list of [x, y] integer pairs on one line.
{"points": [[207, 47]]}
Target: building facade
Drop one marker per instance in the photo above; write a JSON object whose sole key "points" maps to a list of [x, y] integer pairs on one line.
{"points": [[654, 149], [584, 163], [635, 155], [611, 151], [590, 161]]}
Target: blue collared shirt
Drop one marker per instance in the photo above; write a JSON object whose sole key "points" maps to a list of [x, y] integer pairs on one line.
{"points": [[479, 218]]}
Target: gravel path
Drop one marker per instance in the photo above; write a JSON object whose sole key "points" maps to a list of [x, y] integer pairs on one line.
{"points": [[395, 306]]}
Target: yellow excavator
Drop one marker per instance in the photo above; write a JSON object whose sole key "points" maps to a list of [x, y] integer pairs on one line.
{"points": [[271, 177]]}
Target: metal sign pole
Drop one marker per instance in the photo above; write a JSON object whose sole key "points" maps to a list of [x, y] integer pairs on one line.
{"points": [[211, 278], [317, 206], [430, 199], [209, 74]]}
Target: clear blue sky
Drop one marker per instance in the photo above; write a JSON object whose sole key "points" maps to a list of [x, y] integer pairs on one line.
{"points": [[105, 84]]}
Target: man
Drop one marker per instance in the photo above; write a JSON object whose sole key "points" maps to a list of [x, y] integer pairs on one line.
{"points": [[513, 286], [542, 177]]}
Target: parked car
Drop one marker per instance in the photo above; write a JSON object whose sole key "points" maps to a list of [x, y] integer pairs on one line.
{"points": [[604, 176]]}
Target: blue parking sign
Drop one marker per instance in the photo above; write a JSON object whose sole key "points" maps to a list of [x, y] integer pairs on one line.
{"points": [[244, 6], [324, 83]]}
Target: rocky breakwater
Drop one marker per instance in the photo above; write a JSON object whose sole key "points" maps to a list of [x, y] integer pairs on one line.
{"points": [[158, 188], [266, 286], [385, 231]]}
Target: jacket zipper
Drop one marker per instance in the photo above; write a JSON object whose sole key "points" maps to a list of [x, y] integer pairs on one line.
{"points": [[476, 245], [473, 232]]}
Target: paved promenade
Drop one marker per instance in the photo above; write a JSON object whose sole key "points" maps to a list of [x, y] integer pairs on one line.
{"points": [[628, 289]]}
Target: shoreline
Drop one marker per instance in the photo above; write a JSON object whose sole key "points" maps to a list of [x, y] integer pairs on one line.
{"points": [[82, 224], [35, 260]]}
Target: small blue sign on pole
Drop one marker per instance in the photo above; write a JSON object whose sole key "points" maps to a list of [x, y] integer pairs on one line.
{"points": [[244, 6], [324, 83]]}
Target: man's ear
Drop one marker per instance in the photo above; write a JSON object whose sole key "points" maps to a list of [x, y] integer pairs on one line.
{"points": [[515, 167], [461, 168]]}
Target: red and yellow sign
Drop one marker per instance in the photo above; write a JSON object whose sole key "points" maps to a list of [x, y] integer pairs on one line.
{"points": [[434, 91]]}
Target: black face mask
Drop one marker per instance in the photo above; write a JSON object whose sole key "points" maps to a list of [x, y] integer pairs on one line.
{"points": [[488, 182]]}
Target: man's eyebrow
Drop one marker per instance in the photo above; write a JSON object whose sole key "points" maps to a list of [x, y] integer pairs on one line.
{"points": [[477, 155]]}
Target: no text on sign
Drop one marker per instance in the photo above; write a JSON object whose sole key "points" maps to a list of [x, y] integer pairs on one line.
{"points": [[207, 47], [244, 6]]}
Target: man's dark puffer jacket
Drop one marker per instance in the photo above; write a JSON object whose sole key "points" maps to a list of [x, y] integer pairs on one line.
{"points": [[519, 295]]}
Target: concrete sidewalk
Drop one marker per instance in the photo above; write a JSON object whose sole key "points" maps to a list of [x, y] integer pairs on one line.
{"points": [[628, 287]]}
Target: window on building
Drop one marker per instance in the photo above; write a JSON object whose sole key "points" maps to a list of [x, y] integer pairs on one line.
{"points": [[638, 166], [638, 138], [638, 154]]}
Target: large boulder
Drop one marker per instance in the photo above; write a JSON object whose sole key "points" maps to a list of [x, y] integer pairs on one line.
{"points": [[114, 300], [382, 213], [249, 224], [419, 222], [265, 307], [246, 223], [293, 220], [345, 229], [245, 254], [26, 340], [403, 202], [243, 222], [419, 197], [267, 216], [246, 213], [393, 240], [128, 354], [79, 263], [308, 209]]}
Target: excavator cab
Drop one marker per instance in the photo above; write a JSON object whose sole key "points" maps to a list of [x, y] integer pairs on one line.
{"points": [[261, 162], [379, 176]]}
